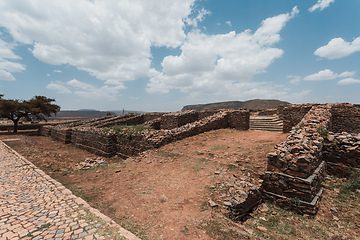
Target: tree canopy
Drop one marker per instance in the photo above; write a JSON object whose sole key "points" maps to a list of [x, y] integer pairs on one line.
{"points": [[38, 107]]}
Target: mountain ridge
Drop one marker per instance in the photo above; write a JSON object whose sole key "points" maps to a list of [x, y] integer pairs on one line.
{"points": [[250, 104]]}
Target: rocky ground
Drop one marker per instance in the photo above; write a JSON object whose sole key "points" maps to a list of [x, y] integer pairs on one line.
{"points": [[181, 190]]}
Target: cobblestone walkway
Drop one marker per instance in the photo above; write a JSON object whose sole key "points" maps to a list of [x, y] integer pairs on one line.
{"points": [[35, 206]]}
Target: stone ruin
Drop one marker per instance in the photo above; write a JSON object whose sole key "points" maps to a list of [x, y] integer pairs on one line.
{"points": [[96, 137], [321, 137]]}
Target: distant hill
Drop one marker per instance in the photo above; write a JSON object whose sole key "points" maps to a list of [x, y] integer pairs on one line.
{"points": [[251, 104], [88, 113]]}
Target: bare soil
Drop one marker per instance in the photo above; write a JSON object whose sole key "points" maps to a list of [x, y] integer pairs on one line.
{"points": [[164, 193]]}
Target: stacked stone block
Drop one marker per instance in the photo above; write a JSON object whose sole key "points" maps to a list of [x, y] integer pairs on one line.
{"points": [[61, 134], [295, 169], [95, 141], [342, 153], [346, 118]]}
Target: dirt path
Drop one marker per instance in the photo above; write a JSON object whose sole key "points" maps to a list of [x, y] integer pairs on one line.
{"points": [[164, 193]]}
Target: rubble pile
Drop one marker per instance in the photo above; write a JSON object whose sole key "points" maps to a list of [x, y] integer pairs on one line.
{"points": [[89, 163]]}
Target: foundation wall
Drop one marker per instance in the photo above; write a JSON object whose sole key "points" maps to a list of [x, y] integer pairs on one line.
{"points": [[346, 118]]}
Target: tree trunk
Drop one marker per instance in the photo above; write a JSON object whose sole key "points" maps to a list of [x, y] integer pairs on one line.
{"points": [[16, 125]]}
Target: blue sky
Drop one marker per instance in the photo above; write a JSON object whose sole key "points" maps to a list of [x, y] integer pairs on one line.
{"points": [[159, 55]]}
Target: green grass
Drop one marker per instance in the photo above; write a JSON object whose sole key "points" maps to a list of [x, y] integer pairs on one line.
{"points": [[323, 132], [219, 231], [351, 185], [218, 147], [128, 131]]}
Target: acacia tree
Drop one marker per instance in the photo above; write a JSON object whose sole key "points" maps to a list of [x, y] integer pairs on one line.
{"points": [[38, 107]]}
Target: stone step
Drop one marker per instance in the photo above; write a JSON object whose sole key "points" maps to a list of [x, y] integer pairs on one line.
{"points": [[266, 123], [267, 129]]}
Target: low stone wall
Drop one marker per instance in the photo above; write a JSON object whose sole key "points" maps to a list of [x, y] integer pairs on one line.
{"points": [[129, 119], [109, 143], [45, 130], [126, 147], [95, 141], [265, 112], [292, 115], [61, 134], [295, 170], [346, 118], [342, 152], [177, 119], [238, 119]]}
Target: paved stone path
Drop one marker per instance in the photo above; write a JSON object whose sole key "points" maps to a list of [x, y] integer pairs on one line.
{"points": [[35, 206]]}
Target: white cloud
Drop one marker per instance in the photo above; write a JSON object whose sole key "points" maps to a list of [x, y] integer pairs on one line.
{"points": [[87, 91], [222, 66], [109, 39], [349, 81], [294, 79], [6, 76], [193, 21], [58, 71], [321, 4], [326, 74], [338, 48], [347, 74], [228, 23], [7, 66], [59, 87]]}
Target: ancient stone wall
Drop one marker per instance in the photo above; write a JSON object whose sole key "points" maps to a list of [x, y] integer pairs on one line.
{"points": [[45, 130], [346, 118], [238, 119], [178, 119], [95, 141], [129, 119], [295, 169], [61, 134], [107, 142], [129, 146], [265, 112], [342, 152], [292, 115]]}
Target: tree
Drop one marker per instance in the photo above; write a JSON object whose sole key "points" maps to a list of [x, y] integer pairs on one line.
{"points": [[38, 107]]}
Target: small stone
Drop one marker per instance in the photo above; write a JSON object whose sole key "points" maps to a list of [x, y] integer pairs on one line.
{"points": [[227, 203], [212, 203], [184, 229], [333, 209], [335, 218], [261, 228]]}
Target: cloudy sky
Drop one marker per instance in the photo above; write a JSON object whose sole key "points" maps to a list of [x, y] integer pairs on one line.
{"points": [[159, 55]]}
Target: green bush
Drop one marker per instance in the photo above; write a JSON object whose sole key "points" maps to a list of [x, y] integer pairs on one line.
{"points": [[323, 132]]}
